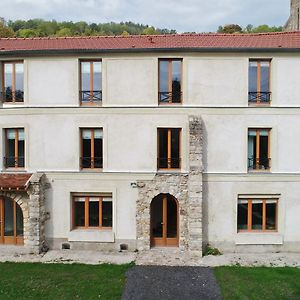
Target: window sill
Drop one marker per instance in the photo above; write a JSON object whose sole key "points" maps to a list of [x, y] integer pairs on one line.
{"points": [[14, 169], [90, 170], [259, 238], [259, 171], [92, 235], [91, 104]]}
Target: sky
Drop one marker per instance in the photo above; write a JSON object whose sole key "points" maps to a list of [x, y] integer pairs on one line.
{"points": [[182, 15]]}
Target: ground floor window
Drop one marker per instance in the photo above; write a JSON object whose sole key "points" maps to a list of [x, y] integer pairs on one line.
{"points": [[257, 215], [92, 212]]}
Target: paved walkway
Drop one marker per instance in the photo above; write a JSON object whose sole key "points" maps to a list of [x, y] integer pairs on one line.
{"points": [[159, 283]]}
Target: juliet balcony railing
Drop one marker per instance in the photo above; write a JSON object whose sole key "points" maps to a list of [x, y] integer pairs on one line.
{"points": [[11, 97], [91, 162], [168, 163], [170, 97], [262, 163], [91, 96], [259, 97], [14, 162]]}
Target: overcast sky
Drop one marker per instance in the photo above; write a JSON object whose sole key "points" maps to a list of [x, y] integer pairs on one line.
{"points": [[182, 15]]}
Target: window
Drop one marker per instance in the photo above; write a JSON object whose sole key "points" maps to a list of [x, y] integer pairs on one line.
{"points": [[13, 82], [169, 148], [259, 82], [91, 148], [259, 149], [14, 148], [170, 90], [90, 82], [92, 212], [257, 215]]}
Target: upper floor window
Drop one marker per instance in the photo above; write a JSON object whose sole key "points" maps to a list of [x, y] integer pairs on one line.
{"points": [[169, 148], [14, 148], [170, 81], [257, 215], [92, 212], [90, 82], [259, 82], [259, 149], [13, 82], [91, 148]]}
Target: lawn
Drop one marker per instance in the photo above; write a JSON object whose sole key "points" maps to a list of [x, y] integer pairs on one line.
{"points": [[258, 283], [61, 281]]}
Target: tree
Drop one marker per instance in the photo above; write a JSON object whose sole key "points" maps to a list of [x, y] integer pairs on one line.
{"points": [[64, 32], [5, 31], [230, 28], [27, 33]]}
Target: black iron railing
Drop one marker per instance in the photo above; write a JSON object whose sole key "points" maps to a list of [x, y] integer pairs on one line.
{"points": [[170, 97], [91, 162], [10, 96], [91, 96], [259, 97], [262, 163], [14, 162], [168, 163]]}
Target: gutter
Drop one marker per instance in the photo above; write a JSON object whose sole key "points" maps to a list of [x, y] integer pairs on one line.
{"points": [[50, 52]]}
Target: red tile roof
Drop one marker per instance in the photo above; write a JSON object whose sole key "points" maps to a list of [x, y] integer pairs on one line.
{"points": [[14, 181], [279, 40]]}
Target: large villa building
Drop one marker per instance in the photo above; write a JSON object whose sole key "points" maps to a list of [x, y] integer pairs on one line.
{"points": [[138, 142]]}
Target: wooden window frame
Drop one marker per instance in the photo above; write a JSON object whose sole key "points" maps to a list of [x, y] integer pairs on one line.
{"points": [[86, 214], [258, 80], [92, 148], [257, 158], [264, 221], [13, 63], [170, 60], [91, 100], [169, 148], [16, 156]]}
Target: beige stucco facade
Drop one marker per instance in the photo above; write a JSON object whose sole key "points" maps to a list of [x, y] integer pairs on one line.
{"points": [[215, 88]]}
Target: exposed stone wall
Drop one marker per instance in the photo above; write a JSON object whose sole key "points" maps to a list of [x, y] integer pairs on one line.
{"points": [[293, 22], [32, 203], [186, 188]]}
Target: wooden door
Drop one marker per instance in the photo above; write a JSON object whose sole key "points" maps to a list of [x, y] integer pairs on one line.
{"points": [[164, 221], [11, 222]]}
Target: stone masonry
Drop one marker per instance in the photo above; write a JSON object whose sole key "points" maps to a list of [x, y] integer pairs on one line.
{"points": [[186, 188], [293, 22], [32, 203]]}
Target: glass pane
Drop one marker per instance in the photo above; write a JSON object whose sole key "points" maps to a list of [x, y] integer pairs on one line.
{"points": [[106, 213], [8, 68], [94, 213], [86, 134], [86, 148], [257, 208], [251, 149], [176, 81], [10, 150], [242, 221], [164, 80], [163, 148], [21, 158], [264, 76], [171, 218], [85, 80], [19, 82], [79, 213], [8, 218], [97, 77], [175, 148], [19, 221], [98, 150], [263, 151], [253, 77], [157, 217], [271, 216]]}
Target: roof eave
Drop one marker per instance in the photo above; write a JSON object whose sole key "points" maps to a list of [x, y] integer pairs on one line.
{"points": [[144, 50]]}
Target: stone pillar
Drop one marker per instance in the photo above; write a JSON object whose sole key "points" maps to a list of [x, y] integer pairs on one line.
{"points": [[35, 239], [293, 22], [195, 184]]}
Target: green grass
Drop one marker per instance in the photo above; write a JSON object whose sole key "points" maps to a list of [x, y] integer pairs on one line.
{"points": [[61, 281], [258, 283]]}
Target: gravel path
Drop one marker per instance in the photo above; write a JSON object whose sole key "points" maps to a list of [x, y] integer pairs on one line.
{"points": [[157, 282]]}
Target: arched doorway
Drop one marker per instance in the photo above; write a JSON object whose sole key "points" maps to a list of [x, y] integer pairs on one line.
{"points": [[11, 222], [164, 221]]}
